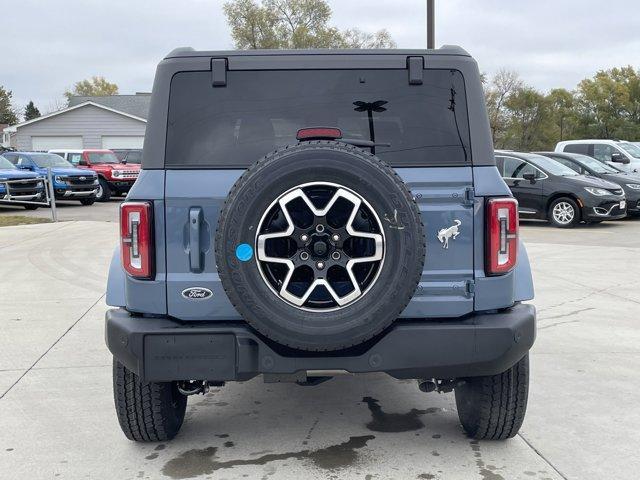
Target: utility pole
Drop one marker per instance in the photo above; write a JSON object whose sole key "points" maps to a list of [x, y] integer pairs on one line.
{"points": [[431, 21]]}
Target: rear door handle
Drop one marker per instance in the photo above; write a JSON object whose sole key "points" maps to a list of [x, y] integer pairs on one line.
{"points": [[195, 254]]}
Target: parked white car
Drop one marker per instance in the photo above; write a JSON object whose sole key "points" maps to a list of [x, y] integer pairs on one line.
{"points": [[619, 154]]}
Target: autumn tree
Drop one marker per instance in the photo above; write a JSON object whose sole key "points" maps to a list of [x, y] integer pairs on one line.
{"points": [[294, 24], [31, 111], [93, 87], [8, 114], [497, 91]]}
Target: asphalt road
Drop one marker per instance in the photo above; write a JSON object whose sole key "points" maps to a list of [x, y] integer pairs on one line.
{"points": [[56, 408]]}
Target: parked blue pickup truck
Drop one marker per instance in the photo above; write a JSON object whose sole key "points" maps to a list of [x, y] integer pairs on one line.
{"points": [[24, 186], [69, 183]]}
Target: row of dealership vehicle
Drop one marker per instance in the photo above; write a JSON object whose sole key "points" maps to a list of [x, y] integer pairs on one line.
{"points": [[569, 188], [83, 175], [564, 187]]}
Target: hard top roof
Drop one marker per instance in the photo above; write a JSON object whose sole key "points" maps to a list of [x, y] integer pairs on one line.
{"points": [[183, 52]]}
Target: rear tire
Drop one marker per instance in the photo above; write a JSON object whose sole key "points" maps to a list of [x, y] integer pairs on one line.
{"points": [[147, 411], [391, 208], [493, 407], [104, 191], [31, 207], [564, 213]]}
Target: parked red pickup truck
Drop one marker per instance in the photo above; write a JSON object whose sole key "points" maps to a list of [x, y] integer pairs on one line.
{"points": [[115, 177]]}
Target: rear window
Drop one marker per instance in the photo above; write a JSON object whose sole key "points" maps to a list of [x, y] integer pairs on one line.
{"points": [[259, 111], [582, 148]]}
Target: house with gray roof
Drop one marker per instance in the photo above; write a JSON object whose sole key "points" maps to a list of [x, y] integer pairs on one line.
{"points": [[115, 121]]}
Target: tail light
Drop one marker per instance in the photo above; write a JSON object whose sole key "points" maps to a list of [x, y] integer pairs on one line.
{"points": [[136, 238], [501, 249]]}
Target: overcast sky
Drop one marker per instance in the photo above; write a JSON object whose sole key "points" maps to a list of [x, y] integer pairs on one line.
{"points": [[49, 45]]}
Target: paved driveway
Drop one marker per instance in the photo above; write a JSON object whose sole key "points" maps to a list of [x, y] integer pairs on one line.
{"points": [[56, 408]]}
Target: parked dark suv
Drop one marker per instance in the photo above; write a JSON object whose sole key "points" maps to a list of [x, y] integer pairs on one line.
{"points": [[302, 214], [585, 165], [549, 190]]}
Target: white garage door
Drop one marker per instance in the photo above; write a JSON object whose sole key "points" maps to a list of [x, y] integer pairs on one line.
{"points": [[109, 141], [49, 143]]}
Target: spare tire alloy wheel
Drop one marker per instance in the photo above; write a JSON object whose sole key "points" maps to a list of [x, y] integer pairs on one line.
{"points": [[320, 246], [320, 251]]}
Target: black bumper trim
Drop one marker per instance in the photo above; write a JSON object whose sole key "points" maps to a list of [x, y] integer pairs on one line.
{"points": [[162, 349]]}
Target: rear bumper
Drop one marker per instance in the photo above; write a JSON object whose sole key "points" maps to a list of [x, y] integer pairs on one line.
{"points": [[161, 349]]}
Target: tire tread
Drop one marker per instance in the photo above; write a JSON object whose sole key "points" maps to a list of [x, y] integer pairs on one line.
{"points": [[493, 407], [146, 411]]}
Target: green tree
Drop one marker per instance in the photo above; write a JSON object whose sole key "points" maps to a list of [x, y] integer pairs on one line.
{"points": [[294, 24], [562, 104], [93, 87], [8, 114], [31, 111], [529, 119], [602, 105]]}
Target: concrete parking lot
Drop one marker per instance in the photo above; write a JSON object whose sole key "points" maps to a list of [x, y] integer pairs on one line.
{"points": [[100, 212], [56, 408]]}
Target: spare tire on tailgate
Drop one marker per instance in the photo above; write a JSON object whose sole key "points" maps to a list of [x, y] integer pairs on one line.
{"points": [[320, 246]]}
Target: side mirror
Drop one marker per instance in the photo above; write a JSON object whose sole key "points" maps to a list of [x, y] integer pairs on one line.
{"points": [[530, 176], [619, 158]]}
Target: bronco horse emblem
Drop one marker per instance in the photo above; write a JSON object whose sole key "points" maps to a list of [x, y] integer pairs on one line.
{"points": [[444, 234]]}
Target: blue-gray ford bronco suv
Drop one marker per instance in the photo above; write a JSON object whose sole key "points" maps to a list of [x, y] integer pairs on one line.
{"points": [[303, 214]]}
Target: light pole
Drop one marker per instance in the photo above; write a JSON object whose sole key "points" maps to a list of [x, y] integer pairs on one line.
{"points": [[431, 21]]}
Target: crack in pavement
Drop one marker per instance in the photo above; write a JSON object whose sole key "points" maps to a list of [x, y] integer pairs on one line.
{"points": [[574, 312], [564, 315], [52, 345], [591, 292], [539, 453], [558, 323]]}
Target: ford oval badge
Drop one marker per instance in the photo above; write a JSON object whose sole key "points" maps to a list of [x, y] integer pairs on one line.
{"points": [[196, 293]]}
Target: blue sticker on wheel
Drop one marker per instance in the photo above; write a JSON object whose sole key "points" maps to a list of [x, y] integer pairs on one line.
{"points": [[244, 252]]}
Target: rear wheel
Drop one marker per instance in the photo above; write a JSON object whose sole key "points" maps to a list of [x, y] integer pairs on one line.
{"points": [[147, 411], [493, 407], [564, 213], [104, 192]]}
